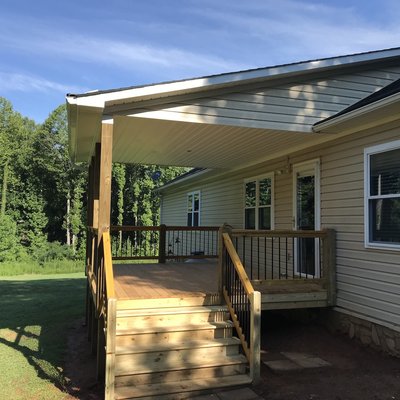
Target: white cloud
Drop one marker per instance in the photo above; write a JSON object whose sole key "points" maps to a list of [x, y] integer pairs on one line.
{"points": [[28, 83], [121, 53]]}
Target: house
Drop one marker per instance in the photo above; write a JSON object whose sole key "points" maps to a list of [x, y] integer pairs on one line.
{"points": [[300, 160]]}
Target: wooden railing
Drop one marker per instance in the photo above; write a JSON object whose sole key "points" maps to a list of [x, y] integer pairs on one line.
{"points": [[284, 255], [163, 242], [99, 271], [244, 303]]}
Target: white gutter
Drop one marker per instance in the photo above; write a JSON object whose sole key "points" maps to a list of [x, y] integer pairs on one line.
{"points": [[359, 112]]}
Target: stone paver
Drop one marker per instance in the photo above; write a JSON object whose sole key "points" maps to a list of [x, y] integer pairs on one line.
{"points": [[282, 365], [239, 394], [306, 360], [205, 397]]}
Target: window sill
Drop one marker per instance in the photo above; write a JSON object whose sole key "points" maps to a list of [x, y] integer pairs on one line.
{"points": [[377, 246]]}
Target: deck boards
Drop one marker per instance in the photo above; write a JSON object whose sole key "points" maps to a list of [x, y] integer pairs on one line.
{"points": [[199, 278], [175, 279]]}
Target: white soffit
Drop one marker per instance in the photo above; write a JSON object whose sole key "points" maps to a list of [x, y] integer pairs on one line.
{"points": [[152, 141]]}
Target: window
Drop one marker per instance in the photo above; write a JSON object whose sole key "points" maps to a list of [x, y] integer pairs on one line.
{"points": [[258, 213], [382, 195], [193, 209]]}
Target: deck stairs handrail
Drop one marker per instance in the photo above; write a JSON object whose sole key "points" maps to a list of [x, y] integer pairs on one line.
{"points": [[244, 303], [99, 271]]}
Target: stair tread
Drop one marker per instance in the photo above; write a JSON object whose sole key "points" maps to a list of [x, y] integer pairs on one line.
{"points": [[177, 345], [131, 392], [214, 361], [176, 328], [170, 311]]}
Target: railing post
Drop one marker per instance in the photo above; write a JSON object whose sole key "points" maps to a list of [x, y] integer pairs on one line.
{"points": [[162, 243], [225, 228], [255, 335], [329, 264]]}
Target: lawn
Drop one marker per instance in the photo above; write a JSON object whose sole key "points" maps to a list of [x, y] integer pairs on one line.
{"points": [[36, 313]]}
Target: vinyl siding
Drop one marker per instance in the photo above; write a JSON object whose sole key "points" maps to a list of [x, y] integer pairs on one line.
{"points": [[290, 106], [368, 280]]}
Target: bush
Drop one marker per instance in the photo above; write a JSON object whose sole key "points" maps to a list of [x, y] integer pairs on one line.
{"points": [[9, 244], [53, 251]]}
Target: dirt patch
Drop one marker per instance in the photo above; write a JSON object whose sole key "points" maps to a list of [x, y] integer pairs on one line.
{"points": [[355, 372], [80, 366]]}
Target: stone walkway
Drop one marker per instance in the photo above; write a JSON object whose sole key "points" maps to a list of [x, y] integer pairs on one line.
{"points": [[235, 394], [287, 361]]}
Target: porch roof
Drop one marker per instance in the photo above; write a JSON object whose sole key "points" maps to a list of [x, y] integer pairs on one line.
{"points": [[144, 133]]}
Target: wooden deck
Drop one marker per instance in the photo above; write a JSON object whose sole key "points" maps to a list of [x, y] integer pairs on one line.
{"points": [[199, 279], [173, 279]]}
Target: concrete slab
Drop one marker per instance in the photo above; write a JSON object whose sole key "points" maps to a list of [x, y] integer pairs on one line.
{"points": [[313, 362], [205, 397], [282, 365], [306, 360], [238, 394]]}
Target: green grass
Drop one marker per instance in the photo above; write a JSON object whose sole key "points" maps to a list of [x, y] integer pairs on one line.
{"points": [[36, 312], [32, 267]]}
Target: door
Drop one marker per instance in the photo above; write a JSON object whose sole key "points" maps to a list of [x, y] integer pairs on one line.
{"points": [[306, 217]]}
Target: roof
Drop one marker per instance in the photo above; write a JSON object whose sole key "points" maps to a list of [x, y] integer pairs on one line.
{"points": [[99, 98], [387, 91], [182, 177]]}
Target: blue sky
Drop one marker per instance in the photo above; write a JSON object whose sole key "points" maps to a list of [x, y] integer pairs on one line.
{"points": [[50, 48]]}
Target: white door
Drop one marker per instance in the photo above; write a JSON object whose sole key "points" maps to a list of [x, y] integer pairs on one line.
{"points": [[306, 216]]}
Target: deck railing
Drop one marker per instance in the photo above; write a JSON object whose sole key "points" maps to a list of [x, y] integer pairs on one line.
{"points": [[99, 271], [283, 255], [244, 303], [163, 242]]}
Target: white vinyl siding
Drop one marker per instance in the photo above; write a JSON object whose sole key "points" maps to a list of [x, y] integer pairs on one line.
{"points": [[368, 280], [295, 106]]}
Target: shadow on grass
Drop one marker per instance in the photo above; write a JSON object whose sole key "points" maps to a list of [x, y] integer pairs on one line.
{"points": [[35, 317]]}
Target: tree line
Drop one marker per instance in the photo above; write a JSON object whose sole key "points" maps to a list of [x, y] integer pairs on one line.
{"points": [[43, 194]]}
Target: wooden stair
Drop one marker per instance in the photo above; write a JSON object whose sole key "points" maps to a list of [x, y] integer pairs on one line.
{"points": [[173, 351]]}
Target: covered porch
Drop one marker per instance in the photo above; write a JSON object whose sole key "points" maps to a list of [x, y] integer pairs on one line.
{"points": [[207, 281]]}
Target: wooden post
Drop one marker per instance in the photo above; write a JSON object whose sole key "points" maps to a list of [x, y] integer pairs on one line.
{"points": [[329, 264], [225, 228], [161, 244], [110, 349], [104, 211], [255, 339]]}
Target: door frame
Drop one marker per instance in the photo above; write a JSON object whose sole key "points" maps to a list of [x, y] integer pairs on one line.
{"points": [[310, 166]]}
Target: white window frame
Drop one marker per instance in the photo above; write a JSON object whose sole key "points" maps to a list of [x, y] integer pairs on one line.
{"points": [[193, 212], [381, 148], [257, 179]]}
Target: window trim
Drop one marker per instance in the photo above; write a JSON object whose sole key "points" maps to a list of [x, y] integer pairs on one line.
{"points": [[368, 151], [256, 179], [193, 193]]}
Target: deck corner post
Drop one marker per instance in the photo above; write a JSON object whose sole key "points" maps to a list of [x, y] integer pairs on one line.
{"points": [[162, 243], [225, 228], [110, 350], [329, 260], [255, 336]]}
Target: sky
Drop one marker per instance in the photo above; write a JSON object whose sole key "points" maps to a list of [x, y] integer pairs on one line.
{"points": [[51, 48]]}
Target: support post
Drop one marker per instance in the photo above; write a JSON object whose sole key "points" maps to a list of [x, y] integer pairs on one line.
{"points": [[110, 349], [255, 332], [161, 244], [104, 211], [329, 264]]}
